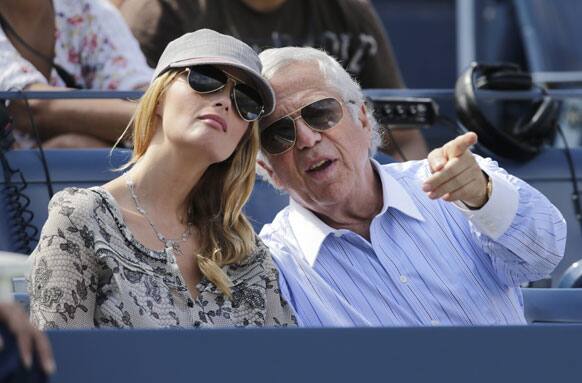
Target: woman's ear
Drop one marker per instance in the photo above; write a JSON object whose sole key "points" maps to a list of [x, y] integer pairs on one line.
{"points": [[159, 108]]}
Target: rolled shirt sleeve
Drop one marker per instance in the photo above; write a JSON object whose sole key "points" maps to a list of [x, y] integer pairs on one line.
{"points": [[521, 230]]}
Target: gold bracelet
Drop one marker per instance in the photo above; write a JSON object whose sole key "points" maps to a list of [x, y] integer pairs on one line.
{"points": [[489, 187]]}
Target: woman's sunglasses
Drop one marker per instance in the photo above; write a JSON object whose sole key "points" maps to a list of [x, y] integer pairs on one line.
{"points": [[208, 79], [281, 135]]}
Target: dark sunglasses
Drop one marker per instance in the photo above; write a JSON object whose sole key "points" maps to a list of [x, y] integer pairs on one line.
{"points": [[208, 79], [281, 135]]}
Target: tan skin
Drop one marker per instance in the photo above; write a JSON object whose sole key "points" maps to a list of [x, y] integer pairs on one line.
{"points": [[186, 142], [410, 141], [62, 123], [347, 194]]}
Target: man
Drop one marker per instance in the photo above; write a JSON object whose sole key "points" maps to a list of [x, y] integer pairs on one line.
{"points": [[444, 241], [349, 30]]}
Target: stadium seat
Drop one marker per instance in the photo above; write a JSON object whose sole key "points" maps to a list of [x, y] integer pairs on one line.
{"points": [[572, 277], [550, 32], [552, 305], [82, 168]]}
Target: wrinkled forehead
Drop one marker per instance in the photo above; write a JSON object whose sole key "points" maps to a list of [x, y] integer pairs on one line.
{"points": [[297, 77], [298, 84]]}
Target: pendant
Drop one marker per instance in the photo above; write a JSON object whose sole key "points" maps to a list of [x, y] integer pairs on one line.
{"points": [[171, 264], [169, 249]]}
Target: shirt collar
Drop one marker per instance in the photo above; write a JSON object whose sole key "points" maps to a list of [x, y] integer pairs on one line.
{"points": [[312, 231], [394, 194]]}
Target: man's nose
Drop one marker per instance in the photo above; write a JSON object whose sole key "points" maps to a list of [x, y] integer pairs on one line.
{"points": [[306, 137]]}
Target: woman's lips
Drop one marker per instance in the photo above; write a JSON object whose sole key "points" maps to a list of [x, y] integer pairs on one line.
{"points": [[214, 121]]}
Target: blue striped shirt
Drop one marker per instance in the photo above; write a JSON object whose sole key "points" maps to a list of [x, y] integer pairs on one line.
{"points": [[427, 262]]}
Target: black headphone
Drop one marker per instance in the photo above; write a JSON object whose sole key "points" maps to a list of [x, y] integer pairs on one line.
{"points": [[514, 129]]}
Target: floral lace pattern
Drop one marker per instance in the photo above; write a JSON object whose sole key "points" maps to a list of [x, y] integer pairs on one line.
{"points": [[88, 271]]}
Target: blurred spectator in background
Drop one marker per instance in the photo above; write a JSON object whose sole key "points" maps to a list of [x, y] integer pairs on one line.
{"points": [[117, 3], [61, 44], [28, 338], [349, 30]]}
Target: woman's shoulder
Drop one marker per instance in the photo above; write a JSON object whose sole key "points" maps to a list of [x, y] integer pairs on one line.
{"points": [[80, 197], [78, 202]]}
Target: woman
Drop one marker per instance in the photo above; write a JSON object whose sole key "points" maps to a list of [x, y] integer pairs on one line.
{"points": [[167, 244]]}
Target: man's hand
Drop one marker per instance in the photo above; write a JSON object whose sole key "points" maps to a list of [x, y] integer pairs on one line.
{"points": [[456, 176], [27, 336]]}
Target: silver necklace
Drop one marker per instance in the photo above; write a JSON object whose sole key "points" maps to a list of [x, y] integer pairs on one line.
{"points": [[169, 243]]}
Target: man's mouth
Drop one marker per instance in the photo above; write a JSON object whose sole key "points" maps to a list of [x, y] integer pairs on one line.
{"points": [[318, 166]]}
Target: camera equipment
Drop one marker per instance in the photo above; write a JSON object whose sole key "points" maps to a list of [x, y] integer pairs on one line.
{"points": [[411, 111], [515, 129]]}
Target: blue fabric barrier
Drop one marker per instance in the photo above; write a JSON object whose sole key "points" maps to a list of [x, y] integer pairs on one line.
{"points": [[487, 354]]}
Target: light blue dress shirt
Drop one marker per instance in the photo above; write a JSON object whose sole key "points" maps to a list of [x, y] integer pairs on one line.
{"points": [[427, 262]]}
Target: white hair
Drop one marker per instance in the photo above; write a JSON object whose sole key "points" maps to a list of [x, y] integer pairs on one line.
{"points": [[334, 76]]}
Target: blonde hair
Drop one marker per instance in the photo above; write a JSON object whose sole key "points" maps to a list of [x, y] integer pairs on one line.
{"points": [[217, 200]]}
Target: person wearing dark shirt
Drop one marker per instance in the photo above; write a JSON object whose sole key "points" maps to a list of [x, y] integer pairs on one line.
{"points": [[349, 30]]}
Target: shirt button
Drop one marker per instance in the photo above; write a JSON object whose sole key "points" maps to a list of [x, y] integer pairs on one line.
{"points": [[403, 279], [338, 234], [434, 322]]}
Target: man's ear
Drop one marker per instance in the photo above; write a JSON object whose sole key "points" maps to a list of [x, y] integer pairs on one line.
{"points": [[272, 175], [363, 118]]}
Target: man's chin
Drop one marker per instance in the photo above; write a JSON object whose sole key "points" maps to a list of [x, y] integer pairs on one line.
{"points": [[325, 197]]}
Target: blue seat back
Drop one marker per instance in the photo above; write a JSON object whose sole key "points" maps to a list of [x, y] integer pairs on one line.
{"points": [[82, 168], [551, 32], [552, 305]]}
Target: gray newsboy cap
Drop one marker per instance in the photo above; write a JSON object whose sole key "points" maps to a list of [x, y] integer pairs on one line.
{"points": [[206, 46]]}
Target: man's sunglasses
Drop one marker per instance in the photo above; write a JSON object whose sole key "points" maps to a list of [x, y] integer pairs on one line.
{"points": [[281, 135], [208, 79]]}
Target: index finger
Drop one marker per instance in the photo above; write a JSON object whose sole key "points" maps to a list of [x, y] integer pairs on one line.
{"points": [[460, 145]]}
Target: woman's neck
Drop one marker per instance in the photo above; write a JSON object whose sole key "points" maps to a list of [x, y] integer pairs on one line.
{"points": [[164, 182]]}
